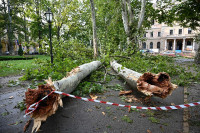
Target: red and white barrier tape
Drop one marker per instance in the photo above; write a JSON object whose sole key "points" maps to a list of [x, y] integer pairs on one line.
{"points": [[35, 105]]}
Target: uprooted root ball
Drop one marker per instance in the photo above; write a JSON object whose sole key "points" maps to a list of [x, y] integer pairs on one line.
{"points": [[34, 95], [155, 84]]}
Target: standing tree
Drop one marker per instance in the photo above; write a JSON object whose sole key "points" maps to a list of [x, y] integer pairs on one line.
{"points": [[12, 21], [132, 23], [8, 20], [95, 46]]}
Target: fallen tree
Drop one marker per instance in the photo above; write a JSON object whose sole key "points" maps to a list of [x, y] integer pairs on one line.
{"points": [[49, 106], [148, 83]]}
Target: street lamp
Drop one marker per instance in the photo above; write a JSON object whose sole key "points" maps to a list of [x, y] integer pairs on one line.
{"points": [[49, 17]]}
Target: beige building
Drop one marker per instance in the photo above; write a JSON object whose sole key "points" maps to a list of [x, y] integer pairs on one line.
{"points": [[166, 38]]}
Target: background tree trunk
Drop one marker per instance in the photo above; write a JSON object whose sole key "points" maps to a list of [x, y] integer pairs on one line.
{"points": [[197, 56], [142, 12], [39, 22], [0, 46], [125, 21], [95, 46], [25, 26], [128, 21], [10, 35]]}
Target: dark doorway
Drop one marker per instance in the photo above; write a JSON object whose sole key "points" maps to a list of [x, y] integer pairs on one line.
{"points": [[179, 45], [170, 45]]}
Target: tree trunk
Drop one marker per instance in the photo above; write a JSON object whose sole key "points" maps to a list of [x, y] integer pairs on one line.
{"points": [[25, 28], [197, 56], [125, 21], [149, 84], [75, 77], [142, 12], [95, 46], [0, 46], [67, 85], [58, 33], [38, 22], [130, 12], [9, 30]]}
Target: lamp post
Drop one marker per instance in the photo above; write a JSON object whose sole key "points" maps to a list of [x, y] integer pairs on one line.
{"points": [[49, 17]]}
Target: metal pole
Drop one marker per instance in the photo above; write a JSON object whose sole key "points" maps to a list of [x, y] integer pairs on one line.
{"points": [[50, 44]]}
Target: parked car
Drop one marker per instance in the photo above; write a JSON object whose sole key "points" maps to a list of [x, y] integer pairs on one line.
{"points": [[168, 53], [7, 52], [147, 51]]}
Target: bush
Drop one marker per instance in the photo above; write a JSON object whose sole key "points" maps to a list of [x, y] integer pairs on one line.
{"points": [[20, 51]]}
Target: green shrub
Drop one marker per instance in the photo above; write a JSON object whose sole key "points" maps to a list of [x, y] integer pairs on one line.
{"points": [[20, 51]]}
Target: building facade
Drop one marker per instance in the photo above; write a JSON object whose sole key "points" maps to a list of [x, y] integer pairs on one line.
{"points": [[166, 38]]}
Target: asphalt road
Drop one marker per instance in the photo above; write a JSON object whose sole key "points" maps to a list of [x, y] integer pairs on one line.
{"points": [[86, 117]]}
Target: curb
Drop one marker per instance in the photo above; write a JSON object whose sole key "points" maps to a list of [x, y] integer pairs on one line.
{"points": [[185, 113]]}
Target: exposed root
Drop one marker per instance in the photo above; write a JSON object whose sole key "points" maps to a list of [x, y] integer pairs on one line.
{"points": [[27, 124], [155, 84], [46, 108]]}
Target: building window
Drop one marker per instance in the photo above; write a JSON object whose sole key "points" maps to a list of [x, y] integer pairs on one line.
{"points": [[171, 32], [151, 34], [151, 45], [145, 35], [180, 31], [158, 45], [189, 43], [152, 22], [189, 30], [144, 45], [159, 34]]}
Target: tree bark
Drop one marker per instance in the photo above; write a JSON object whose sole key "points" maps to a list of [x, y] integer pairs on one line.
{"points": [[58, 33], [39, 22], [67, 85], [9, 33], [125, 21], [95, 46], [0, 46], [25, 25], [149, 84], [197, 56], [142, 12], [73, 78], [130, 12]]}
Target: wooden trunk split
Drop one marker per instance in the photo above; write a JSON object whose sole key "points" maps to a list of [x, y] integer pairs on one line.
{"points": [[149, 84]]}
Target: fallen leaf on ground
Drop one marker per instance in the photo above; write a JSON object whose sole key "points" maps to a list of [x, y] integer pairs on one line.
{"points": [[114, 118], [143, 115], [129, 109], [11, 97], [125, 92], [131, 98], [172, 104], [94, 97], [148, 131], [103, 113]]}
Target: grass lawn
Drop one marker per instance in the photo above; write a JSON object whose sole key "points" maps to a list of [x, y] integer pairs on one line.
{"points": [[16, 67]]}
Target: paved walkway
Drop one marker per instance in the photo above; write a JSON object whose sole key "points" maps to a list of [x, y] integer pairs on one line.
{"points": [[86, 117]]}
